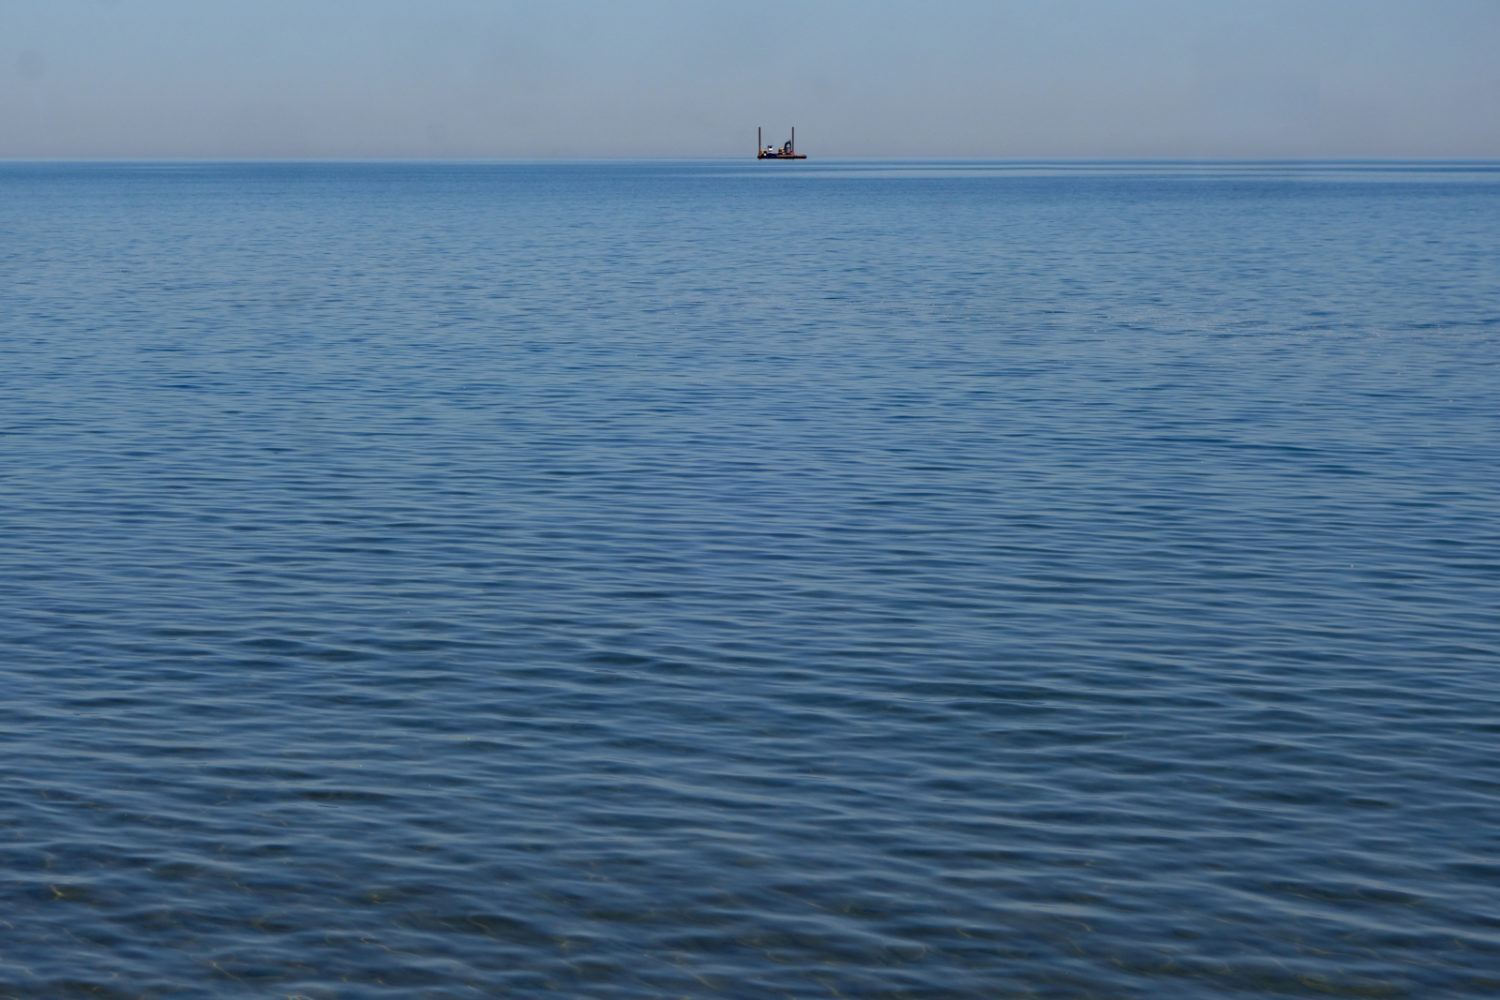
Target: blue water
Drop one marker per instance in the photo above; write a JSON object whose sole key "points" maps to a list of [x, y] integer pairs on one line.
{"points": [[749, 580]]}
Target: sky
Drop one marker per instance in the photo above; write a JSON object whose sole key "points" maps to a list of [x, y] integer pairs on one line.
{"points": [[336, 79]]}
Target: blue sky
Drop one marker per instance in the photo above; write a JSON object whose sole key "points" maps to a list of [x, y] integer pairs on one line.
{"points": [[550, 78]]}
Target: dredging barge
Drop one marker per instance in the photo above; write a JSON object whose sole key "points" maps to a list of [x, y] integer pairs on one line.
{"points": [[788, 150]]}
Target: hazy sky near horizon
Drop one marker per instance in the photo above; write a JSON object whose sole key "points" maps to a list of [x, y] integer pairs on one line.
{"points": [[578, 78]]}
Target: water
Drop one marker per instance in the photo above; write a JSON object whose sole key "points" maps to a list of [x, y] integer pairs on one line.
{"points": [[753, 580]]}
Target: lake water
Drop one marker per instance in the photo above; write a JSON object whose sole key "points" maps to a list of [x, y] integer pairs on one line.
{"points": [[750, 580]]}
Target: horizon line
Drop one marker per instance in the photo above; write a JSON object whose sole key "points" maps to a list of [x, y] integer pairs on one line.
{"points": [[724, 158]]}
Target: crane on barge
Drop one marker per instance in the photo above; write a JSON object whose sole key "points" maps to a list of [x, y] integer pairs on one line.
{"points": [[788, 150]]}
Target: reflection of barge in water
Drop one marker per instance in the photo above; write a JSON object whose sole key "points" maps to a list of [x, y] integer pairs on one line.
{"points": [[788, 150]]}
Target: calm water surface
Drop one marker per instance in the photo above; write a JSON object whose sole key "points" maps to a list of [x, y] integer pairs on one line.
{"points": [[749, 580]]}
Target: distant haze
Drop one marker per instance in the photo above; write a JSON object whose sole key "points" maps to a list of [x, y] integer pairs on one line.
{"points": [[582, 78]]}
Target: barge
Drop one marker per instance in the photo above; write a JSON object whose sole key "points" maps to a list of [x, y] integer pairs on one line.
{"points": [[788, 150]]}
